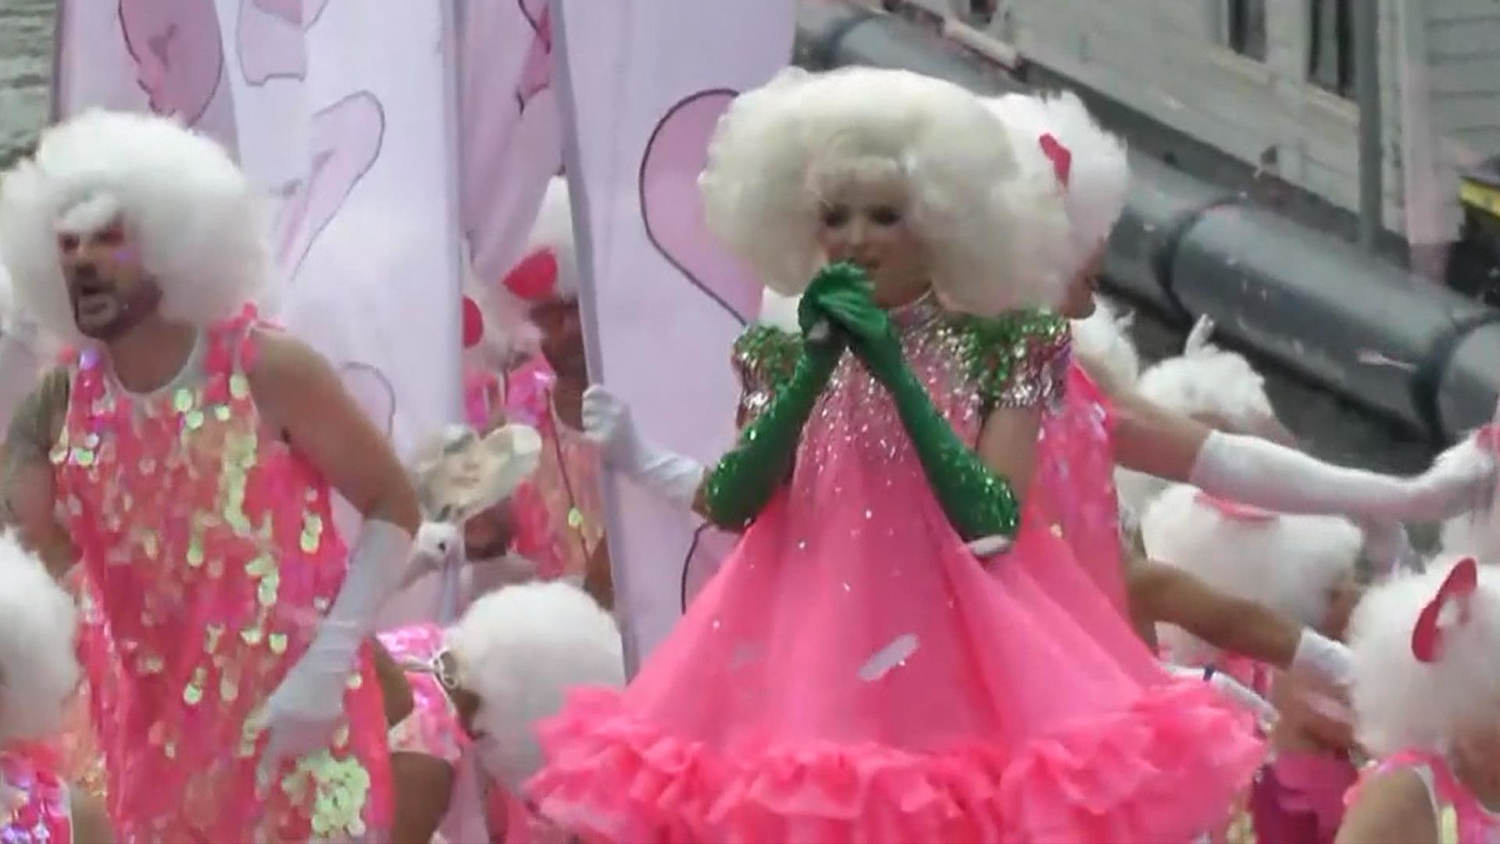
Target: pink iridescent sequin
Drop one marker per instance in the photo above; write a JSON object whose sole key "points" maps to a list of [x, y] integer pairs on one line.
{"points": [[432, 727], [210, 555], [33, 798]]}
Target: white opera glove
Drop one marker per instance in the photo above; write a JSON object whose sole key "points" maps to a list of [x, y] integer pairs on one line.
{"points": [[1321, 658], [303, 712], [1263, 474], [1388, 548], [1227, 686], [607, 421]]}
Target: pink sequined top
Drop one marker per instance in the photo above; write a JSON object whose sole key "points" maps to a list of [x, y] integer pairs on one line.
{"points": [[210, 555], [1461, 818], [33, 799]]}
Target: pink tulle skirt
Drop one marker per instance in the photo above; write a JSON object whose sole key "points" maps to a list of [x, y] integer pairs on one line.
{"points": [[854, 674]]}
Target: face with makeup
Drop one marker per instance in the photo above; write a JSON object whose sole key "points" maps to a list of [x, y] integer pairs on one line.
{"points": [[561, 327], [863, 218], [107, 286], [1078, 300]]}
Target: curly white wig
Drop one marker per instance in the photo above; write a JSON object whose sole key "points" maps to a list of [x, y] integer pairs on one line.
{"points": [[520, 649], [552, 231], [1103, 347], [1288, 563], [1400, 702], [996, 236], [194, 215], [1100, 172], [1213, 385], [37, 667]]}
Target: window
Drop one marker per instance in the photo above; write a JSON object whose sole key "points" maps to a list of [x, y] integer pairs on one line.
{"points": [[1330, 63], [1245, 28]]}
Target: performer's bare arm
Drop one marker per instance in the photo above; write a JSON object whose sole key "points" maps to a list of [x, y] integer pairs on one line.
{"points": [[301, 396], [1170, 595], [1008, 443], [27, 489], [1156, 441]]}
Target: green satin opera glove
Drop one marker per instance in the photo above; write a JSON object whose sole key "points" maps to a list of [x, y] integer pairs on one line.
{"points": [[743, 481], [979, 503]]}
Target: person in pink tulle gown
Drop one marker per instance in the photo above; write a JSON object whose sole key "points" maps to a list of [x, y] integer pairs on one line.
{"points": [[189, 453], [878, 660]]}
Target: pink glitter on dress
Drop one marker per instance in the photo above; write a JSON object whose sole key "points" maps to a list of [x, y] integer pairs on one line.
{"points": [[210, 555], [33, 799], [853, 673], [1075, 481], [432, 728]]}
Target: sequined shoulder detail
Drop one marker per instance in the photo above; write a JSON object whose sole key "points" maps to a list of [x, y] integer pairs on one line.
{"points": [[764, 358], [1020, 359]]}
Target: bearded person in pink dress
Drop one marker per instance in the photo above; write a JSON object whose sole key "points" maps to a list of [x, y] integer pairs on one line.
{"points": [[185, 460]]}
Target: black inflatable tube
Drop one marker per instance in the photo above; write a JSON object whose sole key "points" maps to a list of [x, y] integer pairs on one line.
{"points": [[1356, 325]]}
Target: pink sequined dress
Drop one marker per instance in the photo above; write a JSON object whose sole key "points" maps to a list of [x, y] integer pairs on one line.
{"points": [[1461, 818], [210, 556], [34, 804], [853, 673]]}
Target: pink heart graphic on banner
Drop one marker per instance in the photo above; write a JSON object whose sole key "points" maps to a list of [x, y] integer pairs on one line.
{"points": [[270, 38], [673, 210], [709, 549], [179, 57], [536, 72], [372, 391], [533, 11], [346, 140]]}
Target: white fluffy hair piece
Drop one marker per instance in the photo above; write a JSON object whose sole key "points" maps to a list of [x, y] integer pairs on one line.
{"points": [[520, 649], [193, 215], [779, 311], [1103, 347], [1473, 533], [997, 237], [1099, 174], [37, 667], [1400, 702], [1212, 384], [514, 333], [1290, 564]]}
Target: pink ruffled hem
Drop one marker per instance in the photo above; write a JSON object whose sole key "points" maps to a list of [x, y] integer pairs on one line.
{"points": [[1162, 771]]}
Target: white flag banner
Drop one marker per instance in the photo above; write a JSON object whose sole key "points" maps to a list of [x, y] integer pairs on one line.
{"points": [[646, 81], [342, 116]]}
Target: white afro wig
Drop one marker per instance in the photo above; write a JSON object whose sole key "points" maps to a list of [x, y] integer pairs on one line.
{"points": [[37, 667], [779, 311], [1401, 702], [1104, 349], [508, 300], [996, 235], [520, 649], [1217, 387], [194, 215], [1290, 564], [1476, 533], [1099, 174]]}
